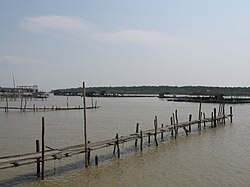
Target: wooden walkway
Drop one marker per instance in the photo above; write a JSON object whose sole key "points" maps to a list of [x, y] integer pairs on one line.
{"points": [[30, 158], [36, 109]]}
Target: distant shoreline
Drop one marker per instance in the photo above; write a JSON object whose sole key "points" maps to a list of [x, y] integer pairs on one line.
{"points": [[148, 90]]}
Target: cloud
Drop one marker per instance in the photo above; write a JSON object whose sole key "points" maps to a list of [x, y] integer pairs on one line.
{"points": [[45, 23], [56, 25], [17, 60]]}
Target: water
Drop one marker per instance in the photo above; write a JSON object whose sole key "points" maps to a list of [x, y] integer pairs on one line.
{"points": [[213, 157]]}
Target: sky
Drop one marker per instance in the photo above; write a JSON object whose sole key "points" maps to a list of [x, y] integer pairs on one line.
{"points": [[61, 43]]}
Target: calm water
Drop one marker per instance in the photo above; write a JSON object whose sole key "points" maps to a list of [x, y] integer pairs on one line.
{"points": [[212, 157]]}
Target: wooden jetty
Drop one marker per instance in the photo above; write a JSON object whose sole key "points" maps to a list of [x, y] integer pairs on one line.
{"points": [[208, 99], [39, 157], [52, 108]]}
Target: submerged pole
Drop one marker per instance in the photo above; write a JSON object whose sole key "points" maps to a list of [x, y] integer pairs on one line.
{"points": [[37, 160], [85, 125]]}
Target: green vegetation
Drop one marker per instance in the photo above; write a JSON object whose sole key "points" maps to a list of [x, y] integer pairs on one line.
{"points": [[156, 90]]}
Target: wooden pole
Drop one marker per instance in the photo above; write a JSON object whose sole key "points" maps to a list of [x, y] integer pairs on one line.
{"points": [[96, 160], [155, 124], [199, 124], [117, 143], [190, 118], [224, 113], [7, 104], [85, 125], [172, 131], [231, 114], [37, 160], [141, 140], [176, 116], [136, 131], [212, 120], [43, 147], [215, 122], [204, 117], [161, 132], [149, 138], [67, 102]]}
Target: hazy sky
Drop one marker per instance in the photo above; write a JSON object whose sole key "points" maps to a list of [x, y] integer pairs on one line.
{"points": [[60, 43]]}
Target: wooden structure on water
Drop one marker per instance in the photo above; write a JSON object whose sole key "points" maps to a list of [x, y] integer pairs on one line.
{"points": [[22, 92], [213, 98], [41, 109], [39, 157]]}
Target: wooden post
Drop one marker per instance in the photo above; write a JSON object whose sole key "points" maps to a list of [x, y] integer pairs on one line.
{"points": [[176, 116], [224, 120], [199, 124], [231, 114], [136, 131], [212, 120], [215, 122], [172, 131], [149, 138], [34, 107], [85, 125], [37, 160], [21, 104], [161, 132], [190, 118], [7, 104], [204, 117], [25, 103], [92, 102], [95, 103], [117, 143], [43, 147], [141, 140], [96, 160], [155, 124], [67, 102], [88, 156]]}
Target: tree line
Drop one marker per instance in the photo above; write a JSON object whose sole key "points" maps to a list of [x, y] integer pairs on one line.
{"points": [[176, 90]]}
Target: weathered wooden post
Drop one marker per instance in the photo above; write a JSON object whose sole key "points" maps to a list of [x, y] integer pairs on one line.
{"points": [[204, 117], [7, 104], [176, 116], [117, 143], [212, 120], [231, 114], [172, 131], [34, 107], [37, 160], [67, 102], [85, 125], [43, 146], [96, 160], [215, 120], [136, 131], [162, 132], [199, 124], [155, 124], [149, 138], [175, 131], [224, 119], [21, 109], [190, 118], [141, 140]]}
